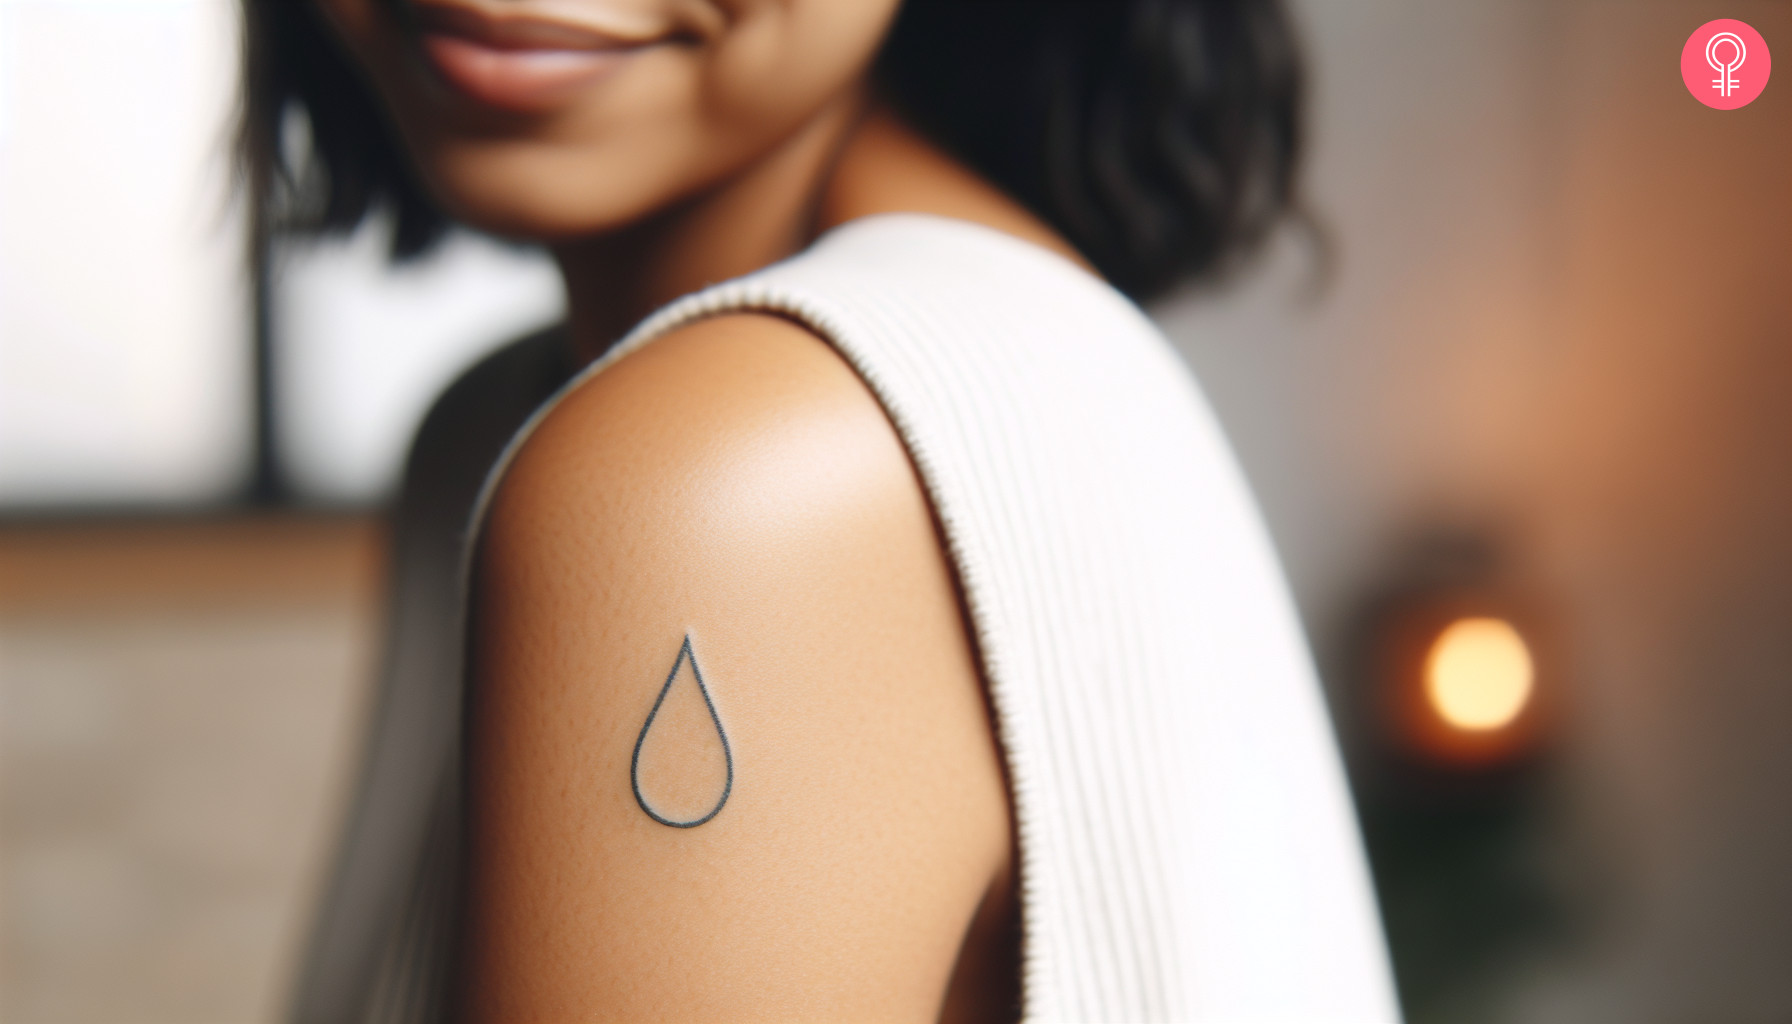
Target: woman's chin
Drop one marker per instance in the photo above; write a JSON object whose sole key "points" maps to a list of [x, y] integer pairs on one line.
{"points": [[512, 199]]}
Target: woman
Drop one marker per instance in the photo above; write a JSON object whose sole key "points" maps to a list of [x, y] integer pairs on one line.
{"points": [[882, 633]]}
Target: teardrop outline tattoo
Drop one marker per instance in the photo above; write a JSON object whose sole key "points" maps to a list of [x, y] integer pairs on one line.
{"points": [[634, 767]]}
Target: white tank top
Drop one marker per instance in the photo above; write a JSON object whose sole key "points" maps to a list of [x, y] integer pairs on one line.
{"points": [[1187, 849]]}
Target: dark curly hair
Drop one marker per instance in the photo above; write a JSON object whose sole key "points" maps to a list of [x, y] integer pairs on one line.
{"points": [[1159, 136]]}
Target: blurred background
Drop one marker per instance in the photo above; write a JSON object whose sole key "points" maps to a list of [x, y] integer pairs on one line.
{"points": [[1524, 438]]}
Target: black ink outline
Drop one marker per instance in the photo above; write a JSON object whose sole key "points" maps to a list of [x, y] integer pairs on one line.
{"points": [[634, 767]]}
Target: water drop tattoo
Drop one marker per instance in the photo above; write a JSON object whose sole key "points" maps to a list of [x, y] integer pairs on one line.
{"points": [[676, 773]]}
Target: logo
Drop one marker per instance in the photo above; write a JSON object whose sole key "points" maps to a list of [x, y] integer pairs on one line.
{"points": [[1725, 64]]}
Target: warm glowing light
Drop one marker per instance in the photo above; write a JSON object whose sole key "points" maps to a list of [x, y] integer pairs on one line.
{"points": [[1479, 675]]}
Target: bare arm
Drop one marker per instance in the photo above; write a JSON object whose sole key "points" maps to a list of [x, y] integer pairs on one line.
{"points": [[735, 484]]}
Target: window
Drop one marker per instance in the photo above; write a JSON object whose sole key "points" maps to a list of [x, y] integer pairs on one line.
{"points": [[128, 356]]}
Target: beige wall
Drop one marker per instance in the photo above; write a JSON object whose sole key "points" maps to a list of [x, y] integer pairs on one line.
{"points": [[1563, 315]]}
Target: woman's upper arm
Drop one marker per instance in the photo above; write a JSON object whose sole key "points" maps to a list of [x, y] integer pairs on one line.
{"points": [[735, 485]]}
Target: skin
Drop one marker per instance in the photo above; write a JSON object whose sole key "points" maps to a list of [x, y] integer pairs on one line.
{"points": [[734, 482]]}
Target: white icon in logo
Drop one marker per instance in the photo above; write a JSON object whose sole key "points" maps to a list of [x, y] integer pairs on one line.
{"points": [[1725, 83]]}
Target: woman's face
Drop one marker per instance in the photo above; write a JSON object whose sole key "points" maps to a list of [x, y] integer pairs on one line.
{"points": [[551, 119]]}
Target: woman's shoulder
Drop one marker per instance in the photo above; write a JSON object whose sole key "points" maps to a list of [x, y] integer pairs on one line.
{"points": [[745, 407], [733, 491]]}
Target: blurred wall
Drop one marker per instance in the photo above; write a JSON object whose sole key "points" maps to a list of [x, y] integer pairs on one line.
{"points": [[1561, 319]]}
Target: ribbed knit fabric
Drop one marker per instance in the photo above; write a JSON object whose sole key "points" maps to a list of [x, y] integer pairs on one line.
{"points": [[1187, 846]]}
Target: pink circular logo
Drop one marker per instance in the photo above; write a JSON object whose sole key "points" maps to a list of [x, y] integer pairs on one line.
{"points": [[1725, 64]]}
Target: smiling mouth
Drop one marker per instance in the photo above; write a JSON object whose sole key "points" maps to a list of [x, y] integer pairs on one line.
{"points": [[518, 62]]}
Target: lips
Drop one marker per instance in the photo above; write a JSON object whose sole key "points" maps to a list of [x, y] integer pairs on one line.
{"points": [[515, 62]]}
